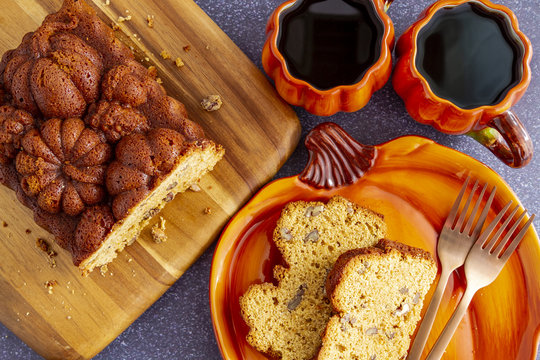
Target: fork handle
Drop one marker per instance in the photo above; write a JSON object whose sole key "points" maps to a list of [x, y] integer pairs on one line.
{"points": [[444, 339], [429, 317]]}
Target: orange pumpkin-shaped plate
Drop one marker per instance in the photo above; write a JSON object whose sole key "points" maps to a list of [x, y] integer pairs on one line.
{"points": [[413, 182]]}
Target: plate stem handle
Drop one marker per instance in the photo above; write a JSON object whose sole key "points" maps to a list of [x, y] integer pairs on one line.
{"points": [[335, 158]]}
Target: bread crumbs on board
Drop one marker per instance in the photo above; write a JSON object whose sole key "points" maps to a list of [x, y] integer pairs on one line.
{"points": [[195, 188], [165, 54], [103, 270], [178, 62], [121, 19], [50, 285], [150, 20], [211, 103], [158, 231]]}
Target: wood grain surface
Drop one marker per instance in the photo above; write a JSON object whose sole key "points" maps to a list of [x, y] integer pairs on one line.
{"points": [[82, 315]]}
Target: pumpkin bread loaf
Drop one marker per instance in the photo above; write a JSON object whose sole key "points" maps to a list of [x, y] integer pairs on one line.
{"points": [[88, 138], [377, 293], [287, 321]]}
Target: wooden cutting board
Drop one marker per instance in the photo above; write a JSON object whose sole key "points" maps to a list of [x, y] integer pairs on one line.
{"points": [[258, 130]]}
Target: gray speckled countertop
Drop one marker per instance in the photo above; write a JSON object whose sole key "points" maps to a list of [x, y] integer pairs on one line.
{"points": [[178, 325]]}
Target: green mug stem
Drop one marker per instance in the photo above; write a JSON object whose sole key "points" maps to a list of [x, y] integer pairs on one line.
{"points": [[487, 136], [506, 137]]}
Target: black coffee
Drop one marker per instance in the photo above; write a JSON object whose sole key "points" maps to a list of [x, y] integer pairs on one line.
{"points": [[468, 55], [330, 42]]}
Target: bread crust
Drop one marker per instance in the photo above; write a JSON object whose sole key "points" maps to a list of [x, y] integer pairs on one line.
{"points": [[382, 247]]}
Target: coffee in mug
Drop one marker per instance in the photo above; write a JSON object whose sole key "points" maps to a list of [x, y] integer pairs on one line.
{"points": [[469, 56], [329, 55]]}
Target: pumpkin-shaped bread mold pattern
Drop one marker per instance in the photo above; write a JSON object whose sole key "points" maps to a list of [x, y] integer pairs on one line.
{"points": [[129, 83], [95, 224], [116, 120], [135, 87], [14, 124], [63, 166], [142, 161], [53, 72]]}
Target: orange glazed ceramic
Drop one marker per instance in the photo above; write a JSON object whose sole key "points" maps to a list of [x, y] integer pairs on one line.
{"points": [[495, 126], [340, 98], [413, 182]]}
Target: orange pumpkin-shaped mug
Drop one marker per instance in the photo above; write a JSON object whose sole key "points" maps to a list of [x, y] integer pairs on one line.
{"points": [[462, 65], [329, 55]]}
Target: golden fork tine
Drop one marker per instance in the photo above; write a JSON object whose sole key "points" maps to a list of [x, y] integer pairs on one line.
{"points": [[453, 247], [491, 248], [510, 249], [461, 219], [490, 245], [453, 212], [482, 267], [483, 215], [483, 239]]}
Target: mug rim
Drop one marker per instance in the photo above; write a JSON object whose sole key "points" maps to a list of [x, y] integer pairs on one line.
{"points": [[386, 40], [506, 102]]}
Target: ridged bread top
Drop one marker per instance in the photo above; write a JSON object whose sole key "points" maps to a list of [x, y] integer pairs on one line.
{"points": [[286, 321], [85, 129]]}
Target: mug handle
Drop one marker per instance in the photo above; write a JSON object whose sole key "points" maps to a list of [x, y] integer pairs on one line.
{"points": [[506, 137]]}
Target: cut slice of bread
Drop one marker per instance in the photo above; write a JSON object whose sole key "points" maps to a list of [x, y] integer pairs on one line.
{"points": [[286, 321], [378, 293], [189, 168]]}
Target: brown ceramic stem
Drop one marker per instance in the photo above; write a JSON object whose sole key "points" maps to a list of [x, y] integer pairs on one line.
{"points": [[507, 138], [335, 158]]}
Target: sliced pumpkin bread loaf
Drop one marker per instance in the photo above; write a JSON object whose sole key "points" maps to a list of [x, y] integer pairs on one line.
{"points": [[377, 293], [286, 321]]}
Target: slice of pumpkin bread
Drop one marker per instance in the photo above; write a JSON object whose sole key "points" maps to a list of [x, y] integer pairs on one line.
{"points": [[378, 293], [286, 321]]}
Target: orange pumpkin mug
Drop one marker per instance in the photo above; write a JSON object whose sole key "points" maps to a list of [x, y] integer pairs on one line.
{"points": [[461, 67], [329, 55]]}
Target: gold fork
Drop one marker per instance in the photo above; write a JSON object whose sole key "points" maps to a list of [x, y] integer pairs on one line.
{"points": [[482, 266], [452, 248]]}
